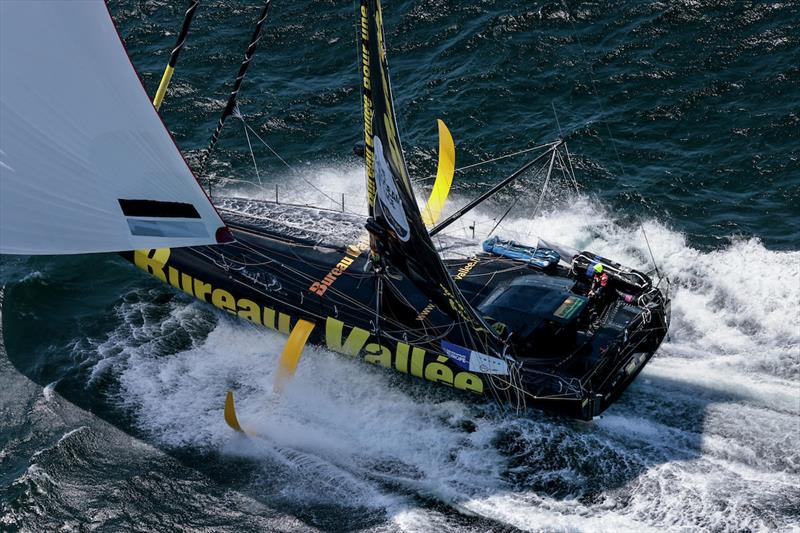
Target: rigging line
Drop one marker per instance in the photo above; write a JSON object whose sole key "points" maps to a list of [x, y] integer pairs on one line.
{"points": [[263, 189], [421, 335], [514, 175], [173, 56], [357, 304], [272, 191], [393, 290], [249, 146], [298, 287], [378, 298], [465, 328], [553, 105], [424, 335], [566, 171], [486, 162], [295, 171], [610, 135], [571, 169], [276, 154], [652, 258], [237, 84], [438, 245], [463, 228], [544, 189], [504, 216], [353, 303], [570, 172], [596, 92], [271, 296]]}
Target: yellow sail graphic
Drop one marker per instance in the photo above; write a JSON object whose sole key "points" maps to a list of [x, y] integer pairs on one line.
{"points": [[444, 177]]}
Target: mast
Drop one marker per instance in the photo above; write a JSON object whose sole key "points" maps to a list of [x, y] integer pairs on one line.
{"points": [[237, 84], [461, 212], [173, 56], [399, 238]]}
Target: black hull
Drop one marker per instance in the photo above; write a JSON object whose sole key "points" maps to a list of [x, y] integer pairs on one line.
{"points": [[291, 263]]}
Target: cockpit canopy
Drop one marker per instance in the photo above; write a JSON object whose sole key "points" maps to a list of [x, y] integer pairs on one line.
{"points": [[534, 303]]}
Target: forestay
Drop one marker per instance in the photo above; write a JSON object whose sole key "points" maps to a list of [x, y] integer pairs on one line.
{"points": [[86, 164], [399, 236]]}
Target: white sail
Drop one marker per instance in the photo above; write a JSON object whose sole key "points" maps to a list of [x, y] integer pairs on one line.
{"points": [[86, 165]]}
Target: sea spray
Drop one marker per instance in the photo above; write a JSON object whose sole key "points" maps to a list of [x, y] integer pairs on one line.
{"points": [[343, 423]]}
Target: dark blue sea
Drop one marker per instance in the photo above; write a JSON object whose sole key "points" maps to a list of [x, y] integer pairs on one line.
{"points": [[683, 121]]}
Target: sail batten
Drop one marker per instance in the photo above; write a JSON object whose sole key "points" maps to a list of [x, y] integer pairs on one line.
{"points": [[79, 135]]}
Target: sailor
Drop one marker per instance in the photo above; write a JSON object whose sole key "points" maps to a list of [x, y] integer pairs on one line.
{"points": [[599, 283]]}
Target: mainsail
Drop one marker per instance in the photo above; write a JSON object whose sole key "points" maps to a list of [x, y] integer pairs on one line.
{"points": [[85, 163], [399, 236]]}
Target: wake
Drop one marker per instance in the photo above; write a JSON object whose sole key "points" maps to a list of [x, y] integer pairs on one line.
{"points": [[706, 437]]}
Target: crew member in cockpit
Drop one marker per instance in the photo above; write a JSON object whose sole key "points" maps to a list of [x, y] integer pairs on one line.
{"points": [[599, 283]]}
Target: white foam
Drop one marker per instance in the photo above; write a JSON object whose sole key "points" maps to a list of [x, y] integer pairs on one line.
{"points": [[354, 435]]}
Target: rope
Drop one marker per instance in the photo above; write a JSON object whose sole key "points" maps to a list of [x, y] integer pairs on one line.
{"points": [[504, 216], [238, 114], [290, 167], [544, 190], [486, 162], [566, 170], [608, 129]]}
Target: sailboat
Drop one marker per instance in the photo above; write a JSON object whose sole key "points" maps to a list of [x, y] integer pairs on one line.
{"points": [[523, 324]]}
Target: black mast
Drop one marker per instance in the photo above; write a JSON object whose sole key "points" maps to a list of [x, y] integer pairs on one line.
{"points": [[231, 105]]}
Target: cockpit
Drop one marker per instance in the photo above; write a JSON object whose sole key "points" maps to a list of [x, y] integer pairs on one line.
{"points": [[538, 310]]}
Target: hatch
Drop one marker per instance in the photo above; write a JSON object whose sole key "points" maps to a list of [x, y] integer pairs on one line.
{"points": [[539, 310]]}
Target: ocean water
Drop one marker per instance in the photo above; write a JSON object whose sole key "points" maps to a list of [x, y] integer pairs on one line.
{"points": [[683, 120]]}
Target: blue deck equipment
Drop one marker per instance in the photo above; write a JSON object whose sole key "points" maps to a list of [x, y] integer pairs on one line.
{"points": [[539, 257]]}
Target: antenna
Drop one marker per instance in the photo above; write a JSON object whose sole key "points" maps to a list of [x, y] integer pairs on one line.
{"points": [[652, 258], [560, 133]]}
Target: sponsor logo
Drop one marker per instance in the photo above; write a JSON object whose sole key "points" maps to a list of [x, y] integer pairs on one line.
{"points": [[339, 337], [474, 361], [457, 306], [466, 269], [459, 357], [388, 195], [319, 287], [461, 274]]}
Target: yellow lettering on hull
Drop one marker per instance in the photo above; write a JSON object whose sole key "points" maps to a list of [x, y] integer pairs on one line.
{"points": [[224, 300], [377, 354], [333, 338], [249, 309], [152, 261], [357, 342]]}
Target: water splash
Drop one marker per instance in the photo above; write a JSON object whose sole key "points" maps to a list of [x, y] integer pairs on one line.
{"points": [[692, 442]]}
